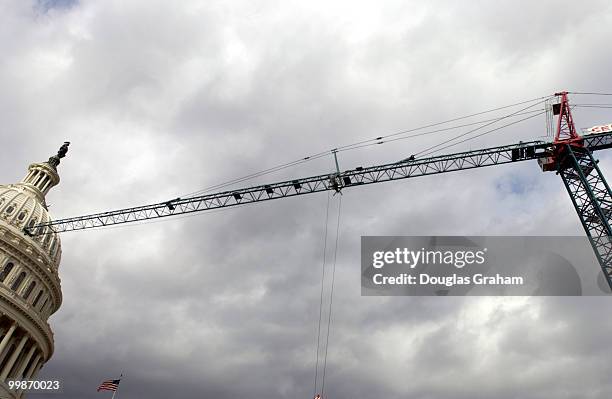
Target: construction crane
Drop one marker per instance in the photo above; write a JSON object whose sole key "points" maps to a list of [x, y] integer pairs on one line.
{"points": [[570, 155]]}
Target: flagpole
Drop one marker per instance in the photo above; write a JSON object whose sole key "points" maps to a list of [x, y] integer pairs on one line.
{"points": [[115, 392]]}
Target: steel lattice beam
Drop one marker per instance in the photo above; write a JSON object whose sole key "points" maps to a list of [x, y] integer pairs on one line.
{"points": [[336, 181], [592, 200]]}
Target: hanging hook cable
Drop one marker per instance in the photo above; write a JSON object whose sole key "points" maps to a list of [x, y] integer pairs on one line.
{"points": [[331, 296], [321, 299]]}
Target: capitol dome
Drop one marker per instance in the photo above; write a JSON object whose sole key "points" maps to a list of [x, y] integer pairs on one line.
{"points": [[30, 289]]}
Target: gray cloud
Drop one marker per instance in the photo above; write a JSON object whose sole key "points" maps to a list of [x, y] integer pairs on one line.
{"points": [[161, 99]]}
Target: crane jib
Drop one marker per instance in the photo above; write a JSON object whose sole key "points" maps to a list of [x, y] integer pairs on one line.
{"points": [[410, 167]]}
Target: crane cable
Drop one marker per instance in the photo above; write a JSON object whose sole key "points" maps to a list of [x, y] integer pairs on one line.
{"points": [[331, 297], [429, 149], [319, 155], [370, 142], [488, 122], [321, 299], [592, 94], [598, 105], [377, 140], [478, 135]]}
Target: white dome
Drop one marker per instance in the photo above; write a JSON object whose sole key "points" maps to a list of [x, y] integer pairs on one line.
{"points": [[21, 207], [30, 287]]}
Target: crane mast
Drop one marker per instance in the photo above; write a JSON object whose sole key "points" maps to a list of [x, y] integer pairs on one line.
{"points": [[569, 155], [590, 193]]}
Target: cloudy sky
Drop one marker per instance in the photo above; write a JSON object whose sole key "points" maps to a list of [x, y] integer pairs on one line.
{"points": [[164, 98]]}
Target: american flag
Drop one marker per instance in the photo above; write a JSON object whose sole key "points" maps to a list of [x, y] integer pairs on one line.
{"points": [[109, 385]]}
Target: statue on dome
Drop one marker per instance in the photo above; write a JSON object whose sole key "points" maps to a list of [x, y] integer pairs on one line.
{"points": [[55, 160]]}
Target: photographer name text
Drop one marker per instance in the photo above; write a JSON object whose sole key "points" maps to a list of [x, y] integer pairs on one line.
{"points": [[422, 258]]}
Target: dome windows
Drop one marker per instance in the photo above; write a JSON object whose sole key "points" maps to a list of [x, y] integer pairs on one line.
{"points": [[10, 209], [5, 271], [29, 290], [20, 208], [46, 238], [53, 248], [18, 281], [44, 303], [38, 296]]}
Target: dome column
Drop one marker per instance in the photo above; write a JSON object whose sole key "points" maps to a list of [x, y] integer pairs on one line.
{"points": [[25, 362], [9, 365], [33, 367], [7, 337], [30, 372]]}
